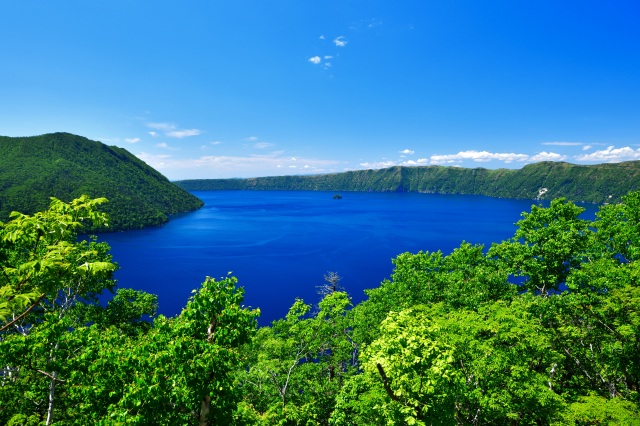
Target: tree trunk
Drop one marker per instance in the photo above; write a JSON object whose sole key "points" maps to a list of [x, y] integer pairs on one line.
{"points": [[52, 389], [205, 409]]}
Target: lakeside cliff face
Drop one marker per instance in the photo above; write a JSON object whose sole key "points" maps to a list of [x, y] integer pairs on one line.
{"points": [[600, 183], [65, 166]]}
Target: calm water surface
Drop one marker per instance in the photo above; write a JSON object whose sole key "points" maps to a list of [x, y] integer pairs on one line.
{"points": [[280, 244]]}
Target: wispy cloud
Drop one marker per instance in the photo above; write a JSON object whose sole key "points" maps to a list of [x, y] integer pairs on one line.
{"points": [[262, 145], [256, 165], [161, 126], [378, 164], [340, 41], [374, 23], [407, 152], [611, 155], [172, 131], [132, 140], [157, 161], [215, 143], [315, 60], [419, 162], [183, 133], [563, 143], [479, 157]]}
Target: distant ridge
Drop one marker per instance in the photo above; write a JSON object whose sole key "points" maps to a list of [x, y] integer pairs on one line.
{"points": [[546, 180], [65, 166]]}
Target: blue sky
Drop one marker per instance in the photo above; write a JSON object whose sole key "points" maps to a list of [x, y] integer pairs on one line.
{"points": [[211, 89]]}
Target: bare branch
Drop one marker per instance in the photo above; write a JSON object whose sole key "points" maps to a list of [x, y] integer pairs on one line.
{"points": [[22, 315], [385, 383]]}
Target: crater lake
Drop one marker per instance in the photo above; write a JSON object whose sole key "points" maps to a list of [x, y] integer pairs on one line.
{"points": [[280, 244]]}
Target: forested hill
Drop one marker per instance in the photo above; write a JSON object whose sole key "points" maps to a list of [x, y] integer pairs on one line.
{"points": [[65, 166], [597, 183]]}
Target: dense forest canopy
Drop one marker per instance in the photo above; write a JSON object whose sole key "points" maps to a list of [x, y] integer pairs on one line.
{"points": [[600, 183], [65, 166], [541, 329]]}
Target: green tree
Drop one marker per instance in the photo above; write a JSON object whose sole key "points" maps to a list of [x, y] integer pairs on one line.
{"points": [[618, 227], [298, 365], [432, 365], [46, 274], [466, 278], [179, 372], [547, 246]]}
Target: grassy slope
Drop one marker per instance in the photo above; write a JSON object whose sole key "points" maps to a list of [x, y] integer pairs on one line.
{"points": [[63, 165]]}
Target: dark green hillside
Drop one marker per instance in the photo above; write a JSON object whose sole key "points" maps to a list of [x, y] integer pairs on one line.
{"points": [[65, 166], [597, 183]]}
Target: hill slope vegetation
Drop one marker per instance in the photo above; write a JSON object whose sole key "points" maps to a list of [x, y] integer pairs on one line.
{"points": [[65, 166], [597, 184]]}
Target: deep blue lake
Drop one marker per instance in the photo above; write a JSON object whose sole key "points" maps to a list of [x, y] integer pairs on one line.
{"points": [[279, 244]]}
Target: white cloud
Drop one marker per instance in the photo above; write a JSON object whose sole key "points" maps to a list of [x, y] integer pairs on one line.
{"points": [[183, 133], [378, 164], [162, 126], [215, 143], [232, 166], [419, 162], [163, 145], [478, 156], [315, 60], [328, 57], [587, 147], [132, 140], [611, 155], [547, 156], [340, 41], [251, 139], [407, 151], [321, 37], [262, 145], [172, 131], [563, 143], [157, 161]]}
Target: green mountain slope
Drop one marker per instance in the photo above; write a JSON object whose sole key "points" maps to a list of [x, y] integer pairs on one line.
{"points": [[597, 183], [65, 166]]}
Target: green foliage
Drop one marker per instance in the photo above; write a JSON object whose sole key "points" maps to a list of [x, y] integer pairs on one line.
{"points": [[595, 410], [549, 180], [296, 367], [178, 372], [52, 276], [40, 258], [619, 227], [66, 166], [446, 367], [548, 245], [541, 329], [465, 278]]}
